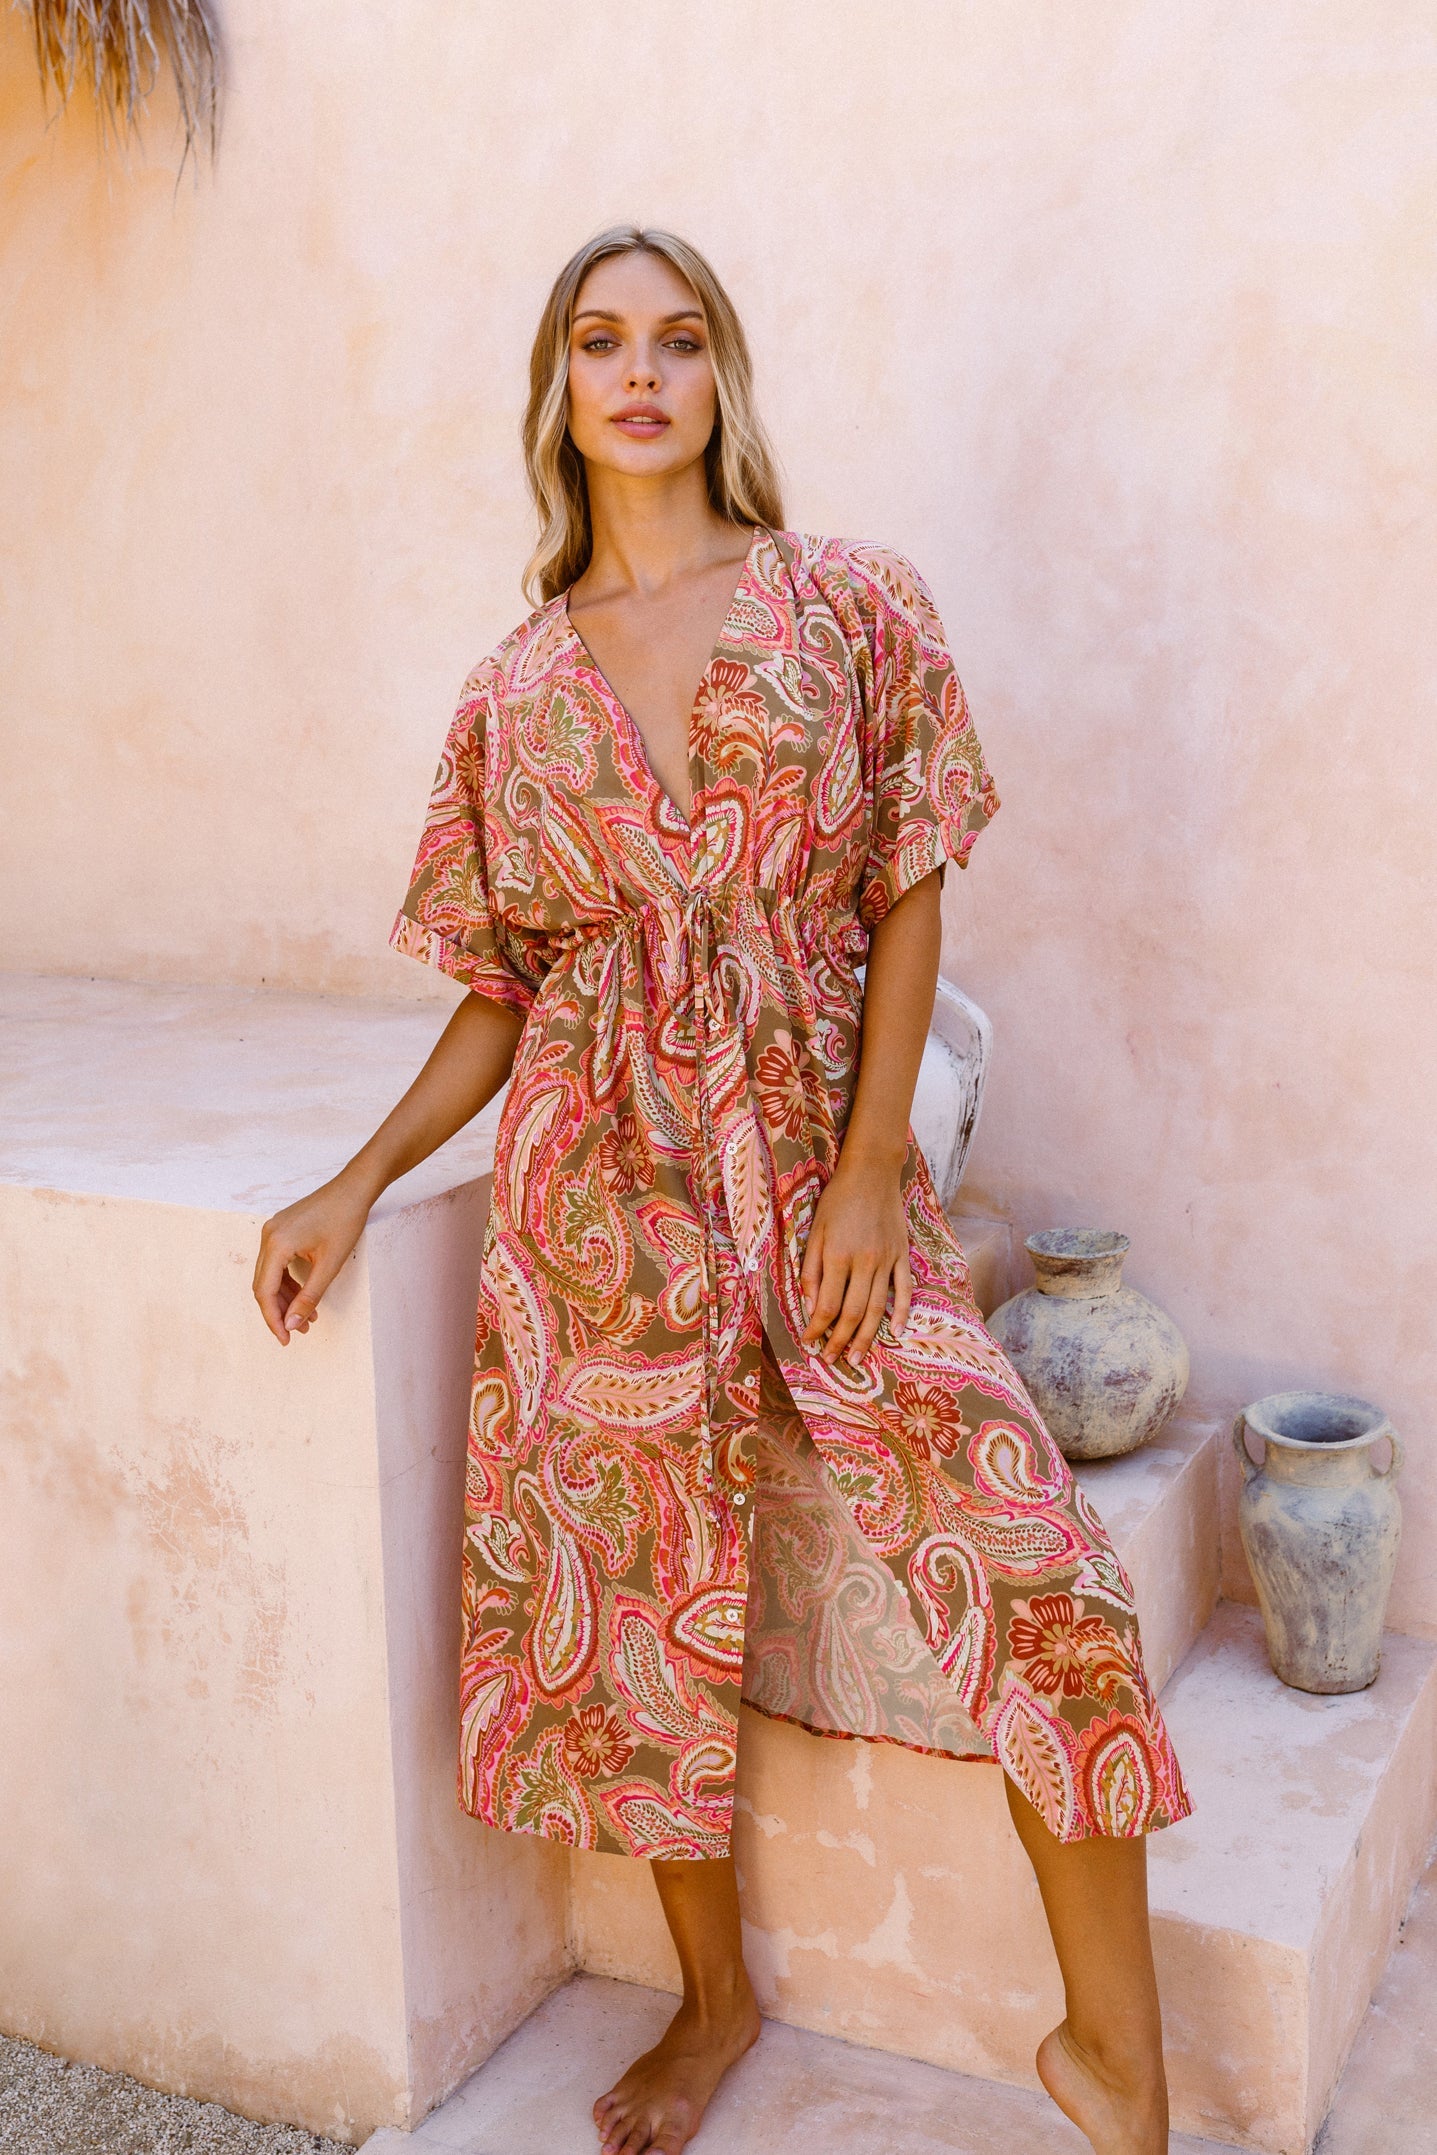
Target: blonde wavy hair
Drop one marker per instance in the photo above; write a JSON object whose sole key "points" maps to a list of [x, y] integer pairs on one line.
{"points": [[742, 474]]}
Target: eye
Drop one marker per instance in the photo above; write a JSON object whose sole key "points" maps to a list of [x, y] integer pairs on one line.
{"points": [[599, 343], [684, 343]]}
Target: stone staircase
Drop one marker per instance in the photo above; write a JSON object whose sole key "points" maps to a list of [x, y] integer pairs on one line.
{"points": [[230, 1789], [887, 1902]]}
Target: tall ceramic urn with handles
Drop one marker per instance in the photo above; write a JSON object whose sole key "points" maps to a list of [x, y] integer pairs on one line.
{"points": [[1320, 1522]]}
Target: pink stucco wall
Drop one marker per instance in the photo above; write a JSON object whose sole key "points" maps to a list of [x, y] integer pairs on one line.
{"points": [[1121, 327]]}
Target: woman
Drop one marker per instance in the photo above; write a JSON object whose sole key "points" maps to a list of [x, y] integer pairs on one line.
{"points": [[736, 1426]]}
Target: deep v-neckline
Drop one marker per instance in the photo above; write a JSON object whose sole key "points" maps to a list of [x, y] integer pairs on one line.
{"points": [[629, 724]]}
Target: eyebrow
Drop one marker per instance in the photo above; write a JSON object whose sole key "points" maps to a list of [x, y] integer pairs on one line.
{"points": [[606, 314]]}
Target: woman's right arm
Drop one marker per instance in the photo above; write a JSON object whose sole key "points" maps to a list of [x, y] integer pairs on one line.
{"points": [[302, 1248]]}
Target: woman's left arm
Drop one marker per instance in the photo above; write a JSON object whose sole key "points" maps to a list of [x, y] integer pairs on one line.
{"points": [[859, 1238]]}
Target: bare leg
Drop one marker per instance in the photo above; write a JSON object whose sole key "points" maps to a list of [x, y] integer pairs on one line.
{"points": [[1103, 2063], [658, 2104]]}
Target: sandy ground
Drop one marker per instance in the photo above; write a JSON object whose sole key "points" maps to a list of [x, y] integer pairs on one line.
{"points": [[50, 2107]]}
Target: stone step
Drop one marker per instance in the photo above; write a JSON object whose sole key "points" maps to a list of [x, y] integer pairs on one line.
{"points": [[796, 2091], [886, 1899], [805, 2094], [1277, 1903]]}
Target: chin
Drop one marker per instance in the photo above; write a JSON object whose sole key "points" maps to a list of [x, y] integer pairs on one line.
{"points": [[642, 460]]}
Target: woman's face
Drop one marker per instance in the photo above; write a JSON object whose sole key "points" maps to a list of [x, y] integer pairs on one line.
{"points": [[642, 399]]}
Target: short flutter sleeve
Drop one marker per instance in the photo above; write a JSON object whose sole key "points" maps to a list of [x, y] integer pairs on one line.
{"points": [[928, 783], [448, 917]]}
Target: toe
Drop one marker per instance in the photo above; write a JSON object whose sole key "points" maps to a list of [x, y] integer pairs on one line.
{"points": [[626, 2134], [609, 2112]]}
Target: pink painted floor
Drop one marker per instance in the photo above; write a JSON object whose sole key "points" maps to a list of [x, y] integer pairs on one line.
{"points": [[809, 2095]]}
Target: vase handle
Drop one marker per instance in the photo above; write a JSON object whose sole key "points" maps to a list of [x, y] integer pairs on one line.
{"points": [[1239, 1445], [1385, 1473]]}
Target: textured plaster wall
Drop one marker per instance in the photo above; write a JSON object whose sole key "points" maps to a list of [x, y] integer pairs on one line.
{"points": [[1119, 325]]}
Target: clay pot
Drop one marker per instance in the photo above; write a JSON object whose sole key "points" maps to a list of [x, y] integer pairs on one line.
{"points": [[1105, 1366], [1320, 1523]]}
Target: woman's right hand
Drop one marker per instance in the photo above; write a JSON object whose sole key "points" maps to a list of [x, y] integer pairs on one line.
{"points": [[302, 1248], [301, 1251]]}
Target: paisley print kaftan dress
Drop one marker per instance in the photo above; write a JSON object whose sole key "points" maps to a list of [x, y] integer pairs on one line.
{"points": [[671, 1503]]}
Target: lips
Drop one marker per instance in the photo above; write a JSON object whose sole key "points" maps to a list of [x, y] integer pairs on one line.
{"points": [[642, 422]]}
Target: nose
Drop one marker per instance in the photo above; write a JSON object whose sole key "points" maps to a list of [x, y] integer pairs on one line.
{"points": [[643, 370]]}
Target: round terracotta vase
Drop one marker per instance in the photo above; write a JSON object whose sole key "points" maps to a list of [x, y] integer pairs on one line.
{"points": [[1105, 1366]]}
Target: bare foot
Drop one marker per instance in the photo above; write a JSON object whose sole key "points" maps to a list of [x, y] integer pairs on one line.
{"points": [[658, 2105], [1120, 2115]]}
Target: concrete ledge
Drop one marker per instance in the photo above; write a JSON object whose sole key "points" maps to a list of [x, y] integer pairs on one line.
{"points": [[226, 1099], [233, 1863]]}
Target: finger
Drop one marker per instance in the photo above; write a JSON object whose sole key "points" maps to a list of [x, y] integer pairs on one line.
{"points": [[831, 1291], [271, 1243], [270, 1286], [855, 1302], [295, 1320], [823, 1295], [872, 1317], [296, 1272], [812, 1273], [321, 1270], [902, 1295]]}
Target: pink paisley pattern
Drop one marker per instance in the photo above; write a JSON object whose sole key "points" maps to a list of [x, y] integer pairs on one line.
{"points": [[671, 1503]]}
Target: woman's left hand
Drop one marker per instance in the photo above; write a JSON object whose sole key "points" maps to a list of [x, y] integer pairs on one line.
{"points": [[857, 1245]]}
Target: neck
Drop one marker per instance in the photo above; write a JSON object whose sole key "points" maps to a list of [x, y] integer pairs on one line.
{"points": [[647, 532]]}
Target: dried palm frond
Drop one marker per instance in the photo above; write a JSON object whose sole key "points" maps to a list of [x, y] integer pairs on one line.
{"points": [[121, 45]]}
